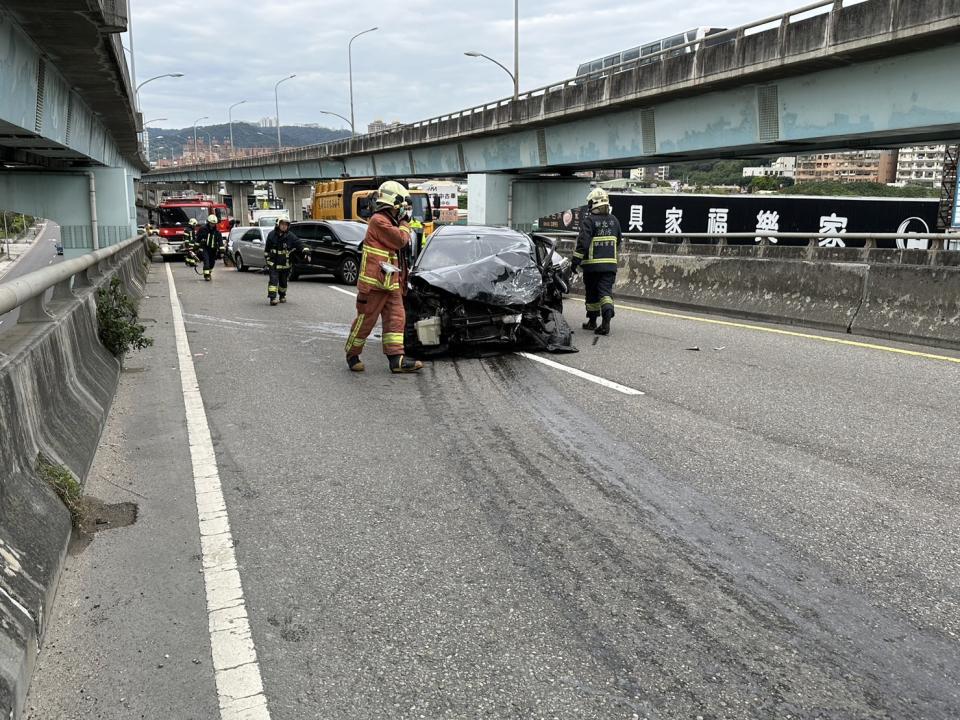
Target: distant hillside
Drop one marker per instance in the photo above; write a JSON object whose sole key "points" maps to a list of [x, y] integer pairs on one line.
{"points": [[245, 135]]}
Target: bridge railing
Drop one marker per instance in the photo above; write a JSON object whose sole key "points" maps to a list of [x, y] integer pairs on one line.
{"points": [[800, 34], [29, 292]]}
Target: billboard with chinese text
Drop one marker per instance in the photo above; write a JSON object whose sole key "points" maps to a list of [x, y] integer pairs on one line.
{"points": [[830, 217]]}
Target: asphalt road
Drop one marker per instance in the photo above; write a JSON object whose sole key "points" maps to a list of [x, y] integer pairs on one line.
{"points": [[769, 531], [40, 255]]}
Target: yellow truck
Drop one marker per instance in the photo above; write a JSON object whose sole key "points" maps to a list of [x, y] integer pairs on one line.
{"points": [[353, 199]]}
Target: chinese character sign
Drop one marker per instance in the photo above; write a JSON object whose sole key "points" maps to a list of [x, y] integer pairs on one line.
{"points": [[636, 219], [717, 220], [674, 218], [768, 221], [832, 226]]}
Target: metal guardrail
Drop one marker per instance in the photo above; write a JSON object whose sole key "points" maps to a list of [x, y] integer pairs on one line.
{"points": [[939, 242], [28, 292]]}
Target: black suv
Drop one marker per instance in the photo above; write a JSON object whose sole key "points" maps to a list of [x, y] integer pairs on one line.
{"points": [[335, 248]]}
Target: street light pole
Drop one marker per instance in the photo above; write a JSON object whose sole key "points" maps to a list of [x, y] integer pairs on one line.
{"points": [[473, 53], [516, 52], [146, 135], [196, 153], [157, 77], [230, 116], [276, 99], [346, 120], [350, 69]]}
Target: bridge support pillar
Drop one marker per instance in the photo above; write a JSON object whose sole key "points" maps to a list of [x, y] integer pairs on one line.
{"points": [[519, 201], [293, 196], [65, 199], [240, 193]]}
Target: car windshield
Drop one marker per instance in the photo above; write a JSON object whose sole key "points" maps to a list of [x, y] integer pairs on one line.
{"points": [[447, 250], [350, 232], [170, 216]]}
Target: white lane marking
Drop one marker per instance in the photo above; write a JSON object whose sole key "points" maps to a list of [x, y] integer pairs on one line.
{"points": [[237, 673], [341, 290], [581, 374]]}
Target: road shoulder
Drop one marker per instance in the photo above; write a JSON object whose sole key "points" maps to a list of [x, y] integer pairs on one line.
{"points": [[129, 633]]}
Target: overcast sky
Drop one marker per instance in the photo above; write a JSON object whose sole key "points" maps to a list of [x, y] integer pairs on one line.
{"points": [[412, 68]]}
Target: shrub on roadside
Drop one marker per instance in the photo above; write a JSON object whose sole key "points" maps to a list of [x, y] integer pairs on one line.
{"points": [[64, 484], [117, 317]]}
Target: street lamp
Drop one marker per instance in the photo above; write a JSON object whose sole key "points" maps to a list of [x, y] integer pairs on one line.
{"points": [[350, 67], [515, 75], [276, 100], [157, 77], [327, 112], [196, 154], [230, 116]]}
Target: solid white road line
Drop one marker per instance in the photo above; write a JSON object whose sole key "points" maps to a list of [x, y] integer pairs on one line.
{"points": [[341, 290], [237, 673], [581, 374]]}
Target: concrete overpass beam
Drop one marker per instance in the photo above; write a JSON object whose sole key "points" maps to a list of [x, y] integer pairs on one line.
{"points": [[518, 202], [65, 198]]}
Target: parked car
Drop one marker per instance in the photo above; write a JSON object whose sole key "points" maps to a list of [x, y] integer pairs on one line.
{"points": [[335, 248], [245, 245], [478, 290]]}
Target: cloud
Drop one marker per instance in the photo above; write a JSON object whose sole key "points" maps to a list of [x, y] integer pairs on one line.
{"points": [[411, 68]]}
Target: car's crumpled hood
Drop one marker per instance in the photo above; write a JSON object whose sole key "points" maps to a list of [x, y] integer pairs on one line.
{"points": [[509, 278]]}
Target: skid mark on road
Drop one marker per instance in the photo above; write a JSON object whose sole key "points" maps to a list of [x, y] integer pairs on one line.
{"points": [[792, 333], [237, 672]]}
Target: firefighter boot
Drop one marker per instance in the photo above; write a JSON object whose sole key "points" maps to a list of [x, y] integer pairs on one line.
{"points": [[400, 364], [273, 301], [283, 298], [355, 363], [604, 328], [590, 324]]}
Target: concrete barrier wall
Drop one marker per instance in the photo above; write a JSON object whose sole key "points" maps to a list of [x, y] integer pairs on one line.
{"points": [[57, 383], [914, 303], [817, 294], [911, 303]]}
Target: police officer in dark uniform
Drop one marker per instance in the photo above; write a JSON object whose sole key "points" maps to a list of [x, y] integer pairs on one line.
{"points": [[281, 244], [597, 247], [209, 239]]}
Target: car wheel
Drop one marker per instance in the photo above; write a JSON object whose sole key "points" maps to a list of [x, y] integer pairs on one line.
{"points": [[349, 270], [238, 261]]}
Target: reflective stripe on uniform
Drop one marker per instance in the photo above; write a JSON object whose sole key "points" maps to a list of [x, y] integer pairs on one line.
{"points": [[606, 300], [593, 307], [393, 338], [351, 340]]}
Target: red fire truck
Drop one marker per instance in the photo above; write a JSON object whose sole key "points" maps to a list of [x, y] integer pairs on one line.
{"points": [[175, 213]]}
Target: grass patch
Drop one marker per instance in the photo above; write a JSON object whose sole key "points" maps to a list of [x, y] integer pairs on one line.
{"points": [[117, 317], [65, 485]]}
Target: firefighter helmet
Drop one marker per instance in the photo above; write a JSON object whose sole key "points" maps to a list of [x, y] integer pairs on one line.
{"points": [[193, 221], [212, 219], [598, 199], [392, 194]]}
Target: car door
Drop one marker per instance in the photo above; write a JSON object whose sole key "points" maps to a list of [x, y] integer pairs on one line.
{"points": [[251, 247], [331, 245], [309, 235]]}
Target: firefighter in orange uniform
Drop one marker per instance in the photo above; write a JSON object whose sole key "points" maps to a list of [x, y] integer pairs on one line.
{"points": [[379, 289]]}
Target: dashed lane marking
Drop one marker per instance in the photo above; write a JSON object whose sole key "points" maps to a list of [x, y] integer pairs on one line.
{"points": [[792, 333], [341, 290], [236, 670], [581, 374]]}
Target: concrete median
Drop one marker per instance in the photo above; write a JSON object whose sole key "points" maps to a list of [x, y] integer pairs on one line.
{"points": [[914, 303], [823, 295], [911, 302], [57, 383]]}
